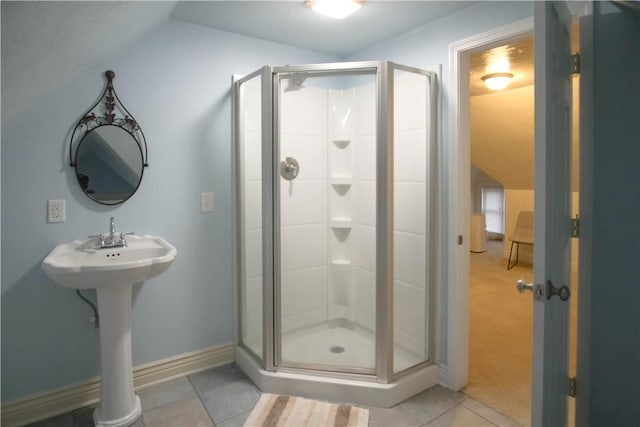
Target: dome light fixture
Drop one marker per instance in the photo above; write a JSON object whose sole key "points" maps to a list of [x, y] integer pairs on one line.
{"points": [[497, 81], [337, 9]]}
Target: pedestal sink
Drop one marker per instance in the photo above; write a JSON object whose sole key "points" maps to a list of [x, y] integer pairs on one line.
{"points": [[112, 272]]}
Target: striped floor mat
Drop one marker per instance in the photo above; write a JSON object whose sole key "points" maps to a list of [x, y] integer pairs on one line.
{"points": [[274, 410]]}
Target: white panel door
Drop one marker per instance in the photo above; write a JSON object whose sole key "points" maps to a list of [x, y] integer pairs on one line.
{"points": [[552, 250]]}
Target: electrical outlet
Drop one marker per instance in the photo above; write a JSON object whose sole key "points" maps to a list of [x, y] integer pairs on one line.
{"points": [[206, 202], [55, 211]]}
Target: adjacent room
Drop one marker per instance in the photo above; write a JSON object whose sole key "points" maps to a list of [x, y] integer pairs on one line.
{"points": [[501, 247], [502, 186]]}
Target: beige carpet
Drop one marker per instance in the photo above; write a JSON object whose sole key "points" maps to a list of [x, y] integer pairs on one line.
{"points": [[275, 410], [500, 334]]}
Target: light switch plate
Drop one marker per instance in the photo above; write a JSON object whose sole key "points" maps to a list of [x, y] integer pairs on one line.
{"points": [[206, 202], [55, 211]]}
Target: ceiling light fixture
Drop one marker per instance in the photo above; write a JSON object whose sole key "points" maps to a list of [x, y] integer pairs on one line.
{"points": [[335, 8], [497, 81]]}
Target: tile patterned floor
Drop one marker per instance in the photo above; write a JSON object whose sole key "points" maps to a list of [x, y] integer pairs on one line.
{"points": [[224, 397]]}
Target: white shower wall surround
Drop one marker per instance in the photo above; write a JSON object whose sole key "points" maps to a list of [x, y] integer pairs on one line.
{"points": [[331, 207], [319, 128], [303, 209]]}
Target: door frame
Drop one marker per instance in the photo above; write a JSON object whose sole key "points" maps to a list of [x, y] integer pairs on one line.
{"points": [[455, 374]]}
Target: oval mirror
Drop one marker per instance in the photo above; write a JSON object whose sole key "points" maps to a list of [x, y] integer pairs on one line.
{"points": [[108, 149], [109, 164]]}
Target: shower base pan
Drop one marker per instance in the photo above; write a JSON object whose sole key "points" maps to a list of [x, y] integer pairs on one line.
{"points": [[339, 343], [324, 386]]}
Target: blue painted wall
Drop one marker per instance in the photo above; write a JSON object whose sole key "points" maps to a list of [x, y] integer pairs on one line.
{"points": [[176, 82]]}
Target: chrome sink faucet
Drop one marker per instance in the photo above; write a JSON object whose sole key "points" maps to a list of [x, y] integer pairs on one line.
{"points": [[113, 239]]}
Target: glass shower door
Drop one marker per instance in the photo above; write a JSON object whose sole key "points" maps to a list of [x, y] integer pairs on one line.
{"points": [[325, 221]]}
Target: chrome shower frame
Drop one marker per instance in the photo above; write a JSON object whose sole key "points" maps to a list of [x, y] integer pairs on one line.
{"points": [[382, 387]]}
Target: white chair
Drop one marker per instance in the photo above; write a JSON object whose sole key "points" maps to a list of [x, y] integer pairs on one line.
{"points": [[522, 234]]}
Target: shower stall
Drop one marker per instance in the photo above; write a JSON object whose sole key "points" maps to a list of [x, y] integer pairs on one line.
{"points": [[335, 185]]}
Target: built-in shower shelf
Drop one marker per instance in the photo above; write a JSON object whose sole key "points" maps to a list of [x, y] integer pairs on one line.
{"points": [[341, 180], [341, 262], [341, 222], [341, 143]]}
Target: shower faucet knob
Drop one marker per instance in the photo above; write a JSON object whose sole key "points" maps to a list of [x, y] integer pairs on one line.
{"points": [[289, 168]]}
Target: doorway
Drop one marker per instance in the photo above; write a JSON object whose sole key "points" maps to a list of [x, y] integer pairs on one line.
{"points": [[459, 347], [501, 129]]}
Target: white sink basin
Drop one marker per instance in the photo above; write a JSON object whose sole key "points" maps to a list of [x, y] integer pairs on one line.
{"points": [[112, 272], [80, 265]]}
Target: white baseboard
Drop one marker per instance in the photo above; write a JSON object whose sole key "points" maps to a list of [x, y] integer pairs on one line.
{"points": [[46, 404]]}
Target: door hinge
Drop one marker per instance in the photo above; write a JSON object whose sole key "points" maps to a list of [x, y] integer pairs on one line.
{"points": [[575, 226], [459, 239], [575, 68], [572, 386]]}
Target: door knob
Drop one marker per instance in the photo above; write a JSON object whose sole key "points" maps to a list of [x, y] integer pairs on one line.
{"points": [[523, 286], [538, 291], [541, 291], [563, 291]]}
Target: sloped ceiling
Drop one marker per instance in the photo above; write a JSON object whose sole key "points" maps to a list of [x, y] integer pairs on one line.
{"points": [[502, 123], [46, 44], [502, 136]]}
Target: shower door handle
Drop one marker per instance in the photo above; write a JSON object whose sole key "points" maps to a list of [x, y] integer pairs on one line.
{"points": [[289, 168]]}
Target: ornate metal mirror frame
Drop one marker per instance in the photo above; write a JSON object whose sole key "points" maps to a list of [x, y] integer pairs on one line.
{"points": [[108, 149]]}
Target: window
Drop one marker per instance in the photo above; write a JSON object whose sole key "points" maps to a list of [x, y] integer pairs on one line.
{"points": [[493, 209]]}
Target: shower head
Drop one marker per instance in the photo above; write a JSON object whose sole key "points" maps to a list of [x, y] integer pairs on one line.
{"points": [[295, 83]]}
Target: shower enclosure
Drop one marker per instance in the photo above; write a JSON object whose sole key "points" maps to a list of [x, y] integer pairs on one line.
{"points": [[335, 184]]}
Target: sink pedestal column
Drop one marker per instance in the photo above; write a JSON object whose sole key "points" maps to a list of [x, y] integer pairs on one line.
{"points": [[119, 405]]}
